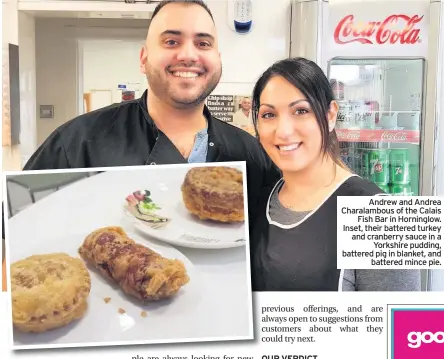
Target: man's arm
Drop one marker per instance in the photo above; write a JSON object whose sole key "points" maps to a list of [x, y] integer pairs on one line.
{"points": [[50, 155]]}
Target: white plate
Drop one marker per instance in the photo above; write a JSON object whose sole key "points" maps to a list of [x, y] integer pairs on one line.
{"points": [[102, 322], [184, 229]]}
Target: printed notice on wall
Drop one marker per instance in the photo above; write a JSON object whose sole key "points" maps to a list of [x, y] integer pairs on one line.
{"points": [[221, 107], [383, 232]]}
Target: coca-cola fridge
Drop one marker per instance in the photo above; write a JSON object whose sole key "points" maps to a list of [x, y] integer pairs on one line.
{"points": [[380, 59], [379, 119]]}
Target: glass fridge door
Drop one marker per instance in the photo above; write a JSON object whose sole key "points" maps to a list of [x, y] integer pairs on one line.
{"points": [[379, 119]]}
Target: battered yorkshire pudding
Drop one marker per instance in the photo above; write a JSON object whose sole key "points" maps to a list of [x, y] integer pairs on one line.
{"points": [[48, 291], [214, 193]]}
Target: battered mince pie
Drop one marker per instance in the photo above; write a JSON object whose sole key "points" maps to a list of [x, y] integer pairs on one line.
{"points": [[48, 291], [214, 193]]}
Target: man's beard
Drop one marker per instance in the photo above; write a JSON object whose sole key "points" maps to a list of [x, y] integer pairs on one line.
{"points": [[161, 87]]}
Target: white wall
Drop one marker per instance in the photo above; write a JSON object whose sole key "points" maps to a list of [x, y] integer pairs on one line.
{"points": [[18, 28], [10, 155], [437, 276], [440, 108], [56, 55], [244, 57], [107, 64], [28, 135]]}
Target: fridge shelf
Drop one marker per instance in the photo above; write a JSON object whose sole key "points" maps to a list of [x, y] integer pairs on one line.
{"points": [[395, 136]]}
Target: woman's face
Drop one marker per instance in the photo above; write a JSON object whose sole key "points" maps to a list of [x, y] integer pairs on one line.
{"points": [[287, 126]]}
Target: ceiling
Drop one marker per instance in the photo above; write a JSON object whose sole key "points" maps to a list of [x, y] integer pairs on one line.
{"points": [[87, 9], [88, 14]]}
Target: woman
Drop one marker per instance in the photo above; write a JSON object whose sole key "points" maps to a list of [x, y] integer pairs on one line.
{"points": [[294, 242]]}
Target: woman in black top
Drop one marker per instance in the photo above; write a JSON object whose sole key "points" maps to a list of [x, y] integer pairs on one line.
{"points": [[294, 240]]}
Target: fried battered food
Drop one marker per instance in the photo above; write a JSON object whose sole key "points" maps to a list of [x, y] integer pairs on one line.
{"points": [[48, 291], [139, 271], [214, 193]]}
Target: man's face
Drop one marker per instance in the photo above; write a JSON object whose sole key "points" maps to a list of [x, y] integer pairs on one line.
{"points": [[181, 59], [246, 104]]}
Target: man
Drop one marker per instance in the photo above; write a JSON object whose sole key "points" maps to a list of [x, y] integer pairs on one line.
{"points": [[243, 116], [169, 124]]}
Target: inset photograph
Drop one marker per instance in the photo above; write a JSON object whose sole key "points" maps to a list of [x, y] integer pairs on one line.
{"points": [[153, 254]]}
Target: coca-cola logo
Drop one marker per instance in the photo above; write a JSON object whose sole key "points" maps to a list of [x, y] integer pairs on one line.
{"points": [[394, 136], [346, 135], [394, 29], [341, 116]]}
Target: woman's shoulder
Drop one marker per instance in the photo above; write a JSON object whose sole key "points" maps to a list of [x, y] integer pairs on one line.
{"points": [[358, 186]]}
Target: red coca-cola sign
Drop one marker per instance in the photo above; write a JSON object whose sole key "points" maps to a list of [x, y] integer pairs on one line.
{"points": [[393, 136], [395, 29], [348, 135], [367, 135]]}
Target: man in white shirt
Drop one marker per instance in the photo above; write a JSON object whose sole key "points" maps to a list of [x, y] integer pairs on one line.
{"points": [[242, 117]]}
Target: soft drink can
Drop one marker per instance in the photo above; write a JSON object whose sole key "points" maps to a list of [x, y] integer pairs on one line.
{"points": [[369, 120], [399, 166], [401, 190], [365, 172], [357, 160], [338, 89], [359, 111], [345, 115], [346, 156], [414, 178], [379, 166]]}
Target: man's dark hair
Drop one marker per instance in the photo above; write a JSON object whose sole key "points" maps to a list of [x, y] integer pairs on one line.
{"points": [[166, 2]]}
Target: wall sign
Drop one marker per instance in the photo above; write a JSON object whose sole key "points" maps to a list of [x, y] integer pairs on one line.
{"points": [[394, 29], [378, 29], [221, 107]]}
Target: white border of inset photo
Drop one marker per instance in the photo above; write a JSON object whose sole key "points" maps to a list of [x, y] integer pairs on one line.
{"points": [[201, 262]]}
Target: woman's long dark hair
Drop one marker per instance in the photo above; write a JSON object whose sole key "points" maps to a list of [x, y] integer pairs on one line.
{"points": [[307, 77]]}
